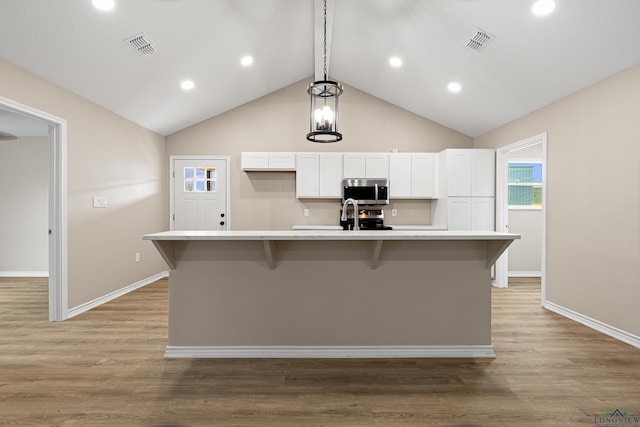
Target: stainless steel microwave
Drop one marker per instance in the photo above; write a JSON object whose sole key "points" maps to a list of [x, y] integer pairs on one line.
{"points": [[366, 191]]}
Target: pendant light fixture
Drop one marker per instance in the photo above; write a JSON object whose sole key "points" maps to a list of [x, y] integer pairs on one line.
{"points": [[323, 122]]}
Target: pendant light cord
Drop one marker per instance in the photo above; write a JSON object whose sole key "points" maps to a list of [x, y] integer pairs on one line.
{"points": [[325, 40]]}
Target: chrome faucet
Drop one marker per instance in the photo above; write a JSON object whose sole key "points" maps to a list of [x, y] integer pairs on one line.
{"points": [[356, 223]]}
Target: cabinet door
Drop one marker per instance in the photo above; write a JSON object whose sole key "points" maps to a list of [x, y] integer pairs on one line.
{"points": [[423, 175], [282, 161], [400, 174], [459, 172], [483, 173], [459, 213], [307, 175], [377, 165], [482, 213], [254, 160], [330, 175], [354, 165]]}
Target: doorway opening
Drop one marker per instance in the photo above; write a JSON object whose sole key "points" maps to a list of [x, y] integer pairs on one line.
{"points": [[57, 204], [525, 159]]}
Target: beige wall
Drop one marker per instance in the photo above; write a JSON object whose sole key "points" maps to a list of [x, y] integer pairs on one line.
{"points": [[279, 122], [107, 156], [593, 197], [24, 174]]}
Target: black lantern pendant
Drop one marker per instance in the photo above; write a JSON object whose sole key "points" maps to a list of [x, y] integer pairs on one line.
{"points": [[323, 122]]}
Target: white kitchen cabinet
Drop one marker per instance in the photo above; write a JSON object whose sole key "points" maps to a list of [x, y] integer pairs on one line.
{"points": [[483, 214], [469, 172], [400, 176], [319, 175], [331, 170], [366, 165], [377, 165], [307, 175], [483, 170], [354, 165], [254, 161], [412, 175], [268, 161], [471, 213], [459, 213]]}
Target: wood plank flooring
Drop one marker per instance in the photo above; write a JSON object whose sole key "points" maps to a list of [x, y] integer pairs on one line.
{"points": [[105, 368]]}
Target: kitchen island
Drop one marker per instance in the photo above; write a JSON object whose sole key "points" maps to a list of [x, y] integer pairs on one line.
{"points": [[311, 293]]}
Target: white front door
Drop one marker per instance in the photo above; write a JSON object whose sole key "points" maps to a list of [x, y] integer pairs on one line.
{"points": [[200, 193]]}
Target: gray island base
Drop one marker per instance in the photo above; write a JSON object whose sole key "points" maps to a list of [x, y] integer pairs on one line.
{"points": [[330, 293]]}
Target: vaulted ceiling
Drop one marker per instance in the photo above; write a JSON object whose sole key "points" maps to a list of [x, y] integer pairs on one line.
{"points": [[531, 61]]}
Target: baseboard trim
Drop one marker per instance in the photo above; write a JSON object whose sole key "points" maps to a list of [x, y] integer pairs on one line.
{"points": [[525, 274], [327, 352], [599, 326], [115, 294], [24, 273]]}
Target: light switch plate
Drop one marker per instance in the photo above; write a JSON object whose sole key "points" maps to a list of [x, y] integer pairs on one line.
{"points": [[99, 201]]}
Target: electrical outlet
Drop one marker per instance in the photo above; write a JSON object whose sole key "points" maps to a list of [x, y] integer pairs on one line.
{"points": [[306, 212], [394, 212], [137, 256]]}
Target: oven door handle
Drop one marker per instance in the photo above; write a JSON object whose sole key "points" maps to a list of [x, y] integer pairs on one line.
{"points": [[376, 193]]}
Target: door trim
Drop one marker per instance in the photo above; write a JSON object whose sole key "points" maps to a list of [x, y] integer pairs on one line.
{"points": [[172, 177], [58, 273], [502, 207]]}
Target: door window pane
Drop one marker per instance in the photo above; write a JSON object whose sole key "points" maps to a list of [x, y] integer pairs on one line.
{"points": [[199, 179]]}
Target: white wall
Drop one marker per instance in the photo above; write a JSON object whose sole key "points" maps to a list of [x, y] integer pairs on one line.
{"points": [[280, 122], [593, 197], [24, 179]]}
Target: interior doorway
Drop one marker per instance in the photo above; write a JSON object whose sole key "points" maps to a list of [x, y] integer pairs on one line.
{"points": [[57, 204], [521, 151]]}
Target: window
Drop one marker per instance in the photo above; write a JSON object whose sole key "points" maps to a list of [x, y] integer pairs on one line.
{"points": [[525, 184], [199, 180]]}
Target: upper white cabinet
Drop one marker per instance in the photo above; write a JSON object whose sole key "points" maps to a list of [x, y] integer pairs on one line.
{"points": [[366, 165], [354, 165], [377, 165], [331, 174], [268, 161], [412, 175], [483, 173], [307, 175], [468, 172], [319, 175], [400, 171]]}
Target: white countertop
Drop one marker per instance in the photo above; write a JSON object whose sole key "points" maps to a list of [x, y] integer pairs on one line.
{"points": [[332, 234]]}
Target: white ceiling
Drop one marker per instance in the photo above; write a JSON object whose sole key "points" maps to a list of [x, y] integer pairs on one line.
{"points": [[532, 61]]}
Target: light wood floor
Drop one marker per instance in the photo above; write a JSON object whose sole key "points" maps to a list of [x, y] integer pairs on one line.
{"points": [[105, 368]]}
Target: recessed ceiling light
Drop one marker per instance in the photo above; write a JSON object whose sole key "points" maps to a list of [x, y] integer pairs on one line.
{"points": [[103, 5], [454, 87], [395, 62], [543, 7], [246, 61], [187, 85]]}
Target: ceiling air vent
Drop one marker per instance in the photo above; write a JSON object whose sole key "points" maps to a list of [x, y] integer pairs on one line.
{"points": [[479, 40], [141, 44]]}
